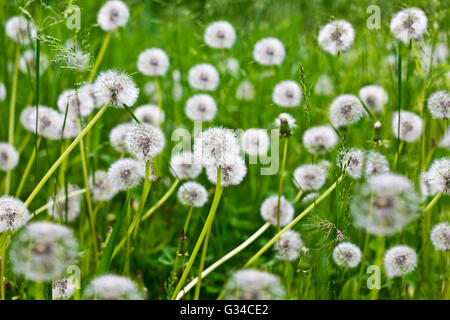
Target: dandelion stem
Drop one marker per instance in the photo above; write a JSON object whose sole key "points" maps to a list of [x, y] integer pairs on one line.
{"points": [[433, 202], [137, 218], [202, 264], [182, 244], [28, 168], [298, 196], [99, 58], [280, 185], [162, 200], [61, 198], [3, 240], [159, 93]]}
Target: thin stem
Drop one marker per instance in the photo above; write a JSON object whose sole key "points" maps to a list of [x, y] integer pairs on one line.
{"points": [[143, 200], [64, 155], [181, 250], [161, 201], [208, 222], [298, 196], [280, 185], [59, 199], [100, 55], [159, 93], [202, 264], [3, 237], [28, 168], [433, 202]]}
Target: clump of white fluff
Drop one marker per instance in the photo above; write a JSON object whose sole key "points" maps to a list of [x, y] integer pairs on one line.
{"points": [[116, 89], [201, 107], [287, 94], [185, 166], [220, 35], [112, 287], [411, 126], [269, 210], [439, 105], [439, 175], [320, 139], [288, 246], [78, 103], [9, 157], [310, 177], [63, 207], [20, 30], [13, 213], [232, 172], [192, 194], [126, 173], [347, 255], [376, 164], [203, 76], [269, 51], [149, 114], [245, 91], [440, 236], [409, 24], [118, 136], [345, 110], [255, 141], [113, 14], [352, 162], [336, 36], [153, 62], [145, 142], [399, 260], [374, 97], [102, 188]]}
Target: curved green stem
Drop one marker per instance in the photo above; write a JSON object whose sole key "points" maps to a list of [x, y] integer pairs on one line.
{"points": [[280, 185], [100, 55], [28, 168], [162, 200], [433, 202]]}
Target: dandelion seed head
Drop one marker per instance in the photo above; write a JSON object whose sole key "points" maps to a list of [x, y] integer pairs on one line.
{"points": [[399, 260], [255, 142], [64, 208], [153, 62], [376, 164], [288, 246], [439, 175], [116, 89], [9, 157], [410, 126], [145, 142], [203, 76], [232, 172], [27, 63], [201, 107], [245, 91], [345, 110], [185, 166], [324, 86], [62, 289], [49, 122], [78, 102], [347, 255], [374, 97], [192, 194], [118, 136], [439, 105], [440, 236], [149, 114], [287, 94], [78, 60], [113, 14], [352, 162], [2, 91], [426, 188], [310, 177], [407, 24], [320, 139], [269, 52], [126, 173], [102, 188], [336, 36], [20, 30], [13, 213], [310, 197], [269, 209], [112, 287], [220, 35]]}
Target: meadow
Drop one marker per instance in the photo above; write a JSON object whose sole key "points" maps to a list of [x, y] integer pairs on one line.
{"points": [[228, 149]]}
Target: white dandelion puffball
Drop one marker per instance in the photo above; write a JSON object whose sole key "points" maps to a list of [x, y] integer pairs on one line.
{"points": [[203, 76], [287, 94], [13, 213], [63, 289], [145, 141], [49, 123], [95, 96], [118, 136], [150, 114], [440, 236], [201, 107], [65, 208], [232, 65], [20, 30], [426, 188], [399, 260], [288, 246], [78, 59], [216, 147], [255, 142], [153, 62], [409, 24], [2, 91], [232, 172], [102, 188], [192, 194], [376, 164], [411, 126], [113, 14], [445, 140], [346, 255], [385, 204], [324, 86], [78, 103], [245, 91], [250, 284], [439, 175], [68, 129], [336, 36], [176, 75], [320, 139], [310, 177], [269, 209], [112, 287], [9, 157], [345, 110], [185, 166], [374, 97], [27, 63], [42, 251], [177, 92], [126, 173], [116, 89], [352, 162], [439, 105], [310, 197], [220, 35], [269, 51]]}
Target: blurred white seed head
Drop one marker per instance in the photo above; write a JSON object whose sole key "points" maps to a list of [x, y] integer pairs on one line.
{"points": [[203, 76], [347, 255], [310, 177], [269, 51], [9, 157], [269, 209], [153, 62], [336, 36], [439, 175], [42, 251], [374, 97], [399, 260], [440, 236], [27, 63], [376, 164], [352, 162], [63, 289], [13, 213], [112, 287], [116, 89], [345, 110], [288, 246], [201, 107], [245, 91], [232, 172], [310, 197], [445, 140], [185, 166], [192, 194], [49, 122], [250, 284], [126, 173], [320, 139], [407, 24], [78, 103], [102, 188], [2, 91], [287, 94], [411, 126], [78, 59], [149, 114], [20, 30], [439, 105], [177, 91], [324, 86], [145, 142], [62, 207], [118, 136], [89, 88], [113, 14], [255, 142], [426, 188], [219, 35]]}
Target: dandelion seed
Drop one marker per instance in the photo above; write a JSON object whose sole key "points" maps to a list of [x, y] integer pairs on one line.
{"points": [[149, 114], [320, 139], [352, 162], [27, 63], [411, 126], [286, 123], [249, 284], [232, 172], [116, 88], [102, 188], [439, 175], [310, 177], [20, 30], [245, 91], [79, 103], [192, 194], [49, 122], [113, 14], [336, 36], [64, 208], [440, 236], [9, 157], [42, 251], [2, 91], [347, 255], [324, 86], [255, 142], [345, 110], [126, 173], [201, 107], [376, 164], [145, 142], [399, 260], [269, 52], [153, 62], [62, 289], [185, 166], [112, 287], [439, 105], [118, 136], [13, 213], [220, 35], [409, 24], [269, 210], [288, 246], [374, 97], [203, 76], [287, 94]]}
